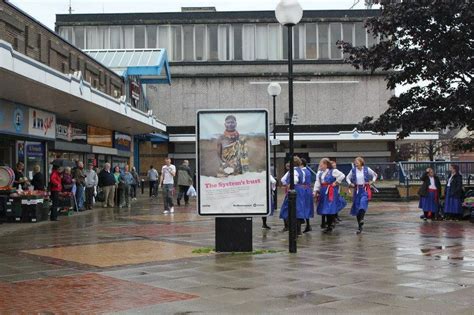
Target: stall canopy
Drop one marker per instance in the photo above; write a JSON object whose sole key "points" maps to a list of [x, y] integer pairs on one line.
{"points": [[150, 66]]}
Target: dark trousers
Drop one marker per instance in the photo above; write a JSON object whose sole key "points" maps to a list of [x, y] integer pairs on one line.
{"points": [[152, 187], [134, 190], [183, 191], [89, 197], [54, 205], [360, 218]]}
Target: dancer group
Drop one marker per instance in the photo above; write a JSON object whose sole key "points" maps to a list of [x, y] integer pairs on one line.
{"points": [[326, 193]]}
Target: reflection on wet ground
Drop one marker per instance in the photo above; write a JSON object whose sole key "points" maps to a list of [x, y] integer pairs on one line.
{"points": [[140, 260]]}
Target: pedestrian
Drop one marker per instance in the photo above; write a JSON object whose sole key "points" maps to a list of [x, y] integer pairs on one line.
{"points": [[79, 179], [168, 172], [20, 178], [67, 180], [185, 180], [91, 181], [118, 187], [309, 201], [152, 179], [273, 187], [126, 181], [299, 180], [360, 178], [326, 191], [429, 192], [55, 184], [136, 183], [38, 180], [107, 184], [453, 195]]}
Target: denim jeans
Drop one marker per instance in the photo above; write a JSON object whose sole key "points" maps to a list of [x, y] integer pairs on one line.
{"points": [[80, 196], [168, 190]]}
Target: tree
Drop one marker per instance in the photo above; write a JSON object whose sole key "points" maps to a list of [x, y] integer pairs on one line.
{"points": [[404, 152], [432, 148], [427, 46]]}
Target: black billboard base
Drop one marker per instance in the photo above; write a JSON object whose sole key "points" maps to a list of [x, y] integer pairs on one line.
{"points": [[234, 235]]}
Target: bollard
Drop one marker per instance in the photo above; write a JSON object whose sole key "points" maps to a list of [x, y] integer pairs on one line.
{"points": [[143, 186]]}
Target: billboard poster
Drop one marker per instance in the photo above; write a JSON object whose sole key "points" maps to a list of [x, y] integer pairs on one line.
{"points": [[13, 118], [42, 124], [122, 141], [71, 132], [100, 136], [232, 162]]}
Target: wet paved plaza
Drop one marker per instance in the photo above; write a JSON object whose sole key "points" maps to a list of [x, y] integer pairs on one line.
{"points": [[141, 261]]}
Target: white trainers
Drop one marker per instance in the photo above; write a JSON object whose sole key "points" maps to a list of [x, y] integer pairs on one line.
{"points": [[166, 212], [172, 210]]}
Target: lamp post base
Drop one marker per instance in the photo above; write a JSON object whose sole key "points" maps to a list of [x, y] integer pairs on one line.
{"points": [[292, 221]]}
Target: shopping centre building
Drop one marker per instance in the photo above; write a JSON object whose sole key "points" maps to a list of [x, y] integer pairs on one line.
{"points": [[225, 60], [57, 101]]}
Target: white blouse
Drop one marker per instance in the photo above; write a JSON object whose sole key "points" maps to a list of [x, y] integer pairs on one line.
{"points": [[449, 180], [285, 180], [360, 179], [432, 183], [335, 173]]}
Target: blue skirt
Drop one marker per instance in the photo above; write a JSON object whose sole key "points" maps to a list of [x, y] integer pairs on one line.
{"points": [[325, 206], [300, 204], [360, 201], [309, 203], [452, 205], [342, 203], [428, 203]]}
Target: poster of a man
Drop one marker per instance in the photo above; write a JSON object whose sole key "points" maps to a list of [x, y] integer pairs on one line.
{"points": [[232, 162]]}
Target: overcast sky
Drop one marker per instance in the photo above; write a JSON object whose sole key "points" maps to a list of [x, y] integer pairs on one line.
{"points": [[45, 10]]}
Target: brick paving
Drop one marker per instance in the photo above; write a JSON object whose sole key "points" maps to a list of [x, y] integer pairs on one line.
{"points": [[141, 261], [87, 293]]}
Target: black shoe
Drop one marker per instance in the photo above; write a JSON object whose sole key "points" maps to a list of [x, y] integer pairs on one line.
{"points": [[178, 202], [266, 227], [359, 231], [338, 219], [328, 230], [285, 229], [55, 219], [308, 229], [323, 226]]}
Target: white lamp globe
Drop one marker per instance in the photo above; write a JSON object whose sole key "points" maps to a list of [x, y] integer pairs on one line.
{"points": [[288, 12], [274, 89]]}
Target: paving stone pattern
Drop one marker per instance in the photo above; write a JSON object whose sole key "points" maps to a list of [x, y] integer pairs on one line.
{"points": [[141, 261]]}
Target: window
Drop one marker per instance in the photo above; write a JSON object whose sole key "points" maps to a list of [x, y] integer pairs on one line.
{"points": [[115, 37], [360, 34], [200, 42], [248, 42], [274, 42], [151, 36], [128, 37], [311, 44], [285, 43], [237, 32], [225, 41], [139, 36], [212, 50], [323, 30], [92, 37], [336, 34], [261, 42], [176, 43], [66, 33], [164, 39], [371, 40], [348, 32], [188, 42], [298, 44], [103, 32], [79, 38]]}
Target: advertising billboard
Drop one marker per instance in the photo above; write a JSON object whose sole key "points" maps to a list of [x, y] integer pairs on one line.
{"points": [[232, 162]]}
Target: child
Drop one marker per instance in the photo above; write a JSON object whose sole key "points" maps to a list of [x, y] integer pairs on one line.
{"points": [[232, 150]]}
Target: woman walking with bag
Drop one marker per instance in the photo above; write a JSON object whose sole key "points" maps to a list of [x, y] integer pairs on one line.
{"points": [[185, 180]]}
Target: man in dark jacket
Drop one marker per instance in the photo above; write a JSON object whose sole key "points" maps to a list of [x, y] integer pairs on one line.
{"points": [[185, 180], [107, 184]]}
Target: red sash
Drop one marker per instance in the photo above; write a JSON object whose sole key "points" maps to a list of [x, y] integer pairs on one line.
{"points": [[435, 193], [330, 190], [367, 190]]}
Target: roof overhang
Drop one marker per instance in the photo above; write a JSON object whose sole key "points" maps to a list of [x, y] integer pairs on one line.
{"points": [[29, 82], [330, 136]]}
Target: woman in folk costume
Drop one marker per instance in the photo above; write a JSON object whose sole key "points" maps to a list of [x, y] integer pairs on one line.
{"points": [[299, 178], [309, 202], [360, 178], [454, 194], [430, 192], [326, 190], [285, 202], [342, 203]]}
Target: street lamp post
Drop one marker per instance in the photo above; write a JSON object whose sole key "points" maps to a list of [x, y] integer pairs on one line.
{"points": [[274, 90], [289, 13]]}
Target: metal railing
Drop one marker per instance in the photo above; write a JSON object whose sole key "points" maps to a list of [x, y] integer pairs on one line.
{"points": [[410, 172]]}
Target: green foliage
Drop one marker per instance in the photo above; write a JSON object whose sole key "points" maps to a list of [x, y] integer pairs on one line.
{"points": [[428, 42], [203, 250]]}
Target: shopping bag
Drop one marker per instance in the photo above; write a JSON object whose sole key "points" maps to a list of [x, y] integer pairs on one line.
{"points": [[191, 191], [100, 196]]}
